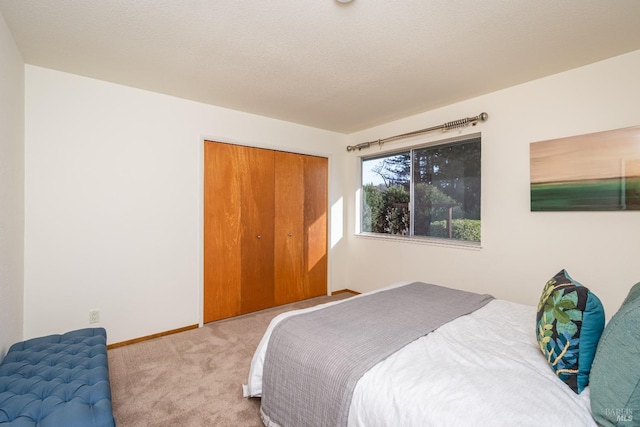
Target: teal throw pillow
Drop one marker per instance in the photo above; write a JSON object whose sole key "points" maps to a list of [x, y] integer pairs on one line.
{"points": [[615, 377], [569, 323]]}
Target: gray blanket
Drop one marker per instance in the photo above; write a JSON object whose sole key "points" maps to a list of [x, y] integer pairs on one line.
{"points": [[314, 360]]}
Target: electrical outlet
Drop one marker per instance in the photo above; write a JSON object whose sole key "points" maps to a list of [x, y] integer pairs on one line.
{"points": [[94, 316]]}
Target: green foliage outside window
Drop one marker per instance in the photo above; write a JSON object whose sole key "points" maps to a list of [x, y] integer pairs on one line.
{"points": [[446, 192]]}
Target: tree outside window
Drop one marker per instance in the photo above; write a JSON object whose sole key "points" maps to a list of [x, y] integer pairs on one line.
{"points": [[441, 201]]}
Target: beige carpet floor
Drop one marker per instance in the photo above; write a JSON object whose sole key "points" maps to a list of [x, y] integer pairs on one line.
{"points": [[193, 378]]}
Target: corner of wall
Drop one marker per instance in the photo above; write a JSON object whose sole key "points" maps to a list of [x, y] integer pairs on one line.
{"points": [[11, 190]]}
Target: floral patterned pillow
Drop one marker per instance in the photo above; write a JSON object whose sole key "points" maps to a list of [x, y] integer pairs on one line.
{"points": [[569, 323]]}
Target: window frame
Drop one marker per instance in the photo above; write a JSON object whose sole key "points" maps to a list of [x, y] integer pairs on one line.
{"points": [[412, 238]]}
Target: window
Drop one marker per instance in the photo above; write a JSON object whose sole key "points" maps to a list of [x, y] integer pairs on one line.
{"points": [[426, 191]]}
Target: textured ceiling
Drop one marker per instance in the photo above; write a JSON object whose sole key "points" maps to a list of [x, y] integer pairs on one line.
{"points": [[342, 67]]}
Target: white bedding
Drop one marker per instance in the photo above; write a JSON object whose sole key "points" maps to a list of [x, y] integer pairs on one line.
{"points": [[482, 369]]}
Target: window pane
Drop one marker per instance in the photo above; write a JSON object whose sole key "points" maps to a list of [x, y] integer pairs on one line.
{"points": [[386, 181], [447, 191]]}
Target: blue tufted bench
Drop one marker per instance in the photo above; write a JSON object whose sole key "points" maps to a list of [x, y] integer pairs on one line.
{"points": [[57, 381]]}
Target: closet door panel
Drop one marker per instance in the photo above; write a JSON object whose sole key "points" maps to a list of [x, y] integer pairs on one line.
{"points": [[315, 224], [222, 230], [256, 172], [289, 228]]}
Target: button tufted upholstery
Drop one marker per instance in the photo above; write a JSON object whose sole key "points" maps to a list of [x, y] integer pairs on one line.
{"points": [[56, 381]]}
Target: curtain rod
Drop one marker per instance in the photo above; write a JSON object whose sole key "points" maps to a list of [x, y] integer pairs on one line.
{"points": [[445, 127]]}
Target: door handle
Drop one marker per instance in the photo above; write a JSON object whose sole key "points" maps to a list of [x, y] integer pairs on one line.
{"points": [[259, 236]]}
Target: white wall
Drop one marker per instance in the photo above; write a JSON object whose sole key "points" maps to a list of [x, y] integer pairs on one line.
{"points": [[520, 249], [114, 197], [11, 190]]}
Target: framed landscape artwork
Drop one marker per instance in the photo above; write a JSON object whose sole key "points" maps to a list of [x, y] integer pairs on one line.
{"points": [[593, 172]]}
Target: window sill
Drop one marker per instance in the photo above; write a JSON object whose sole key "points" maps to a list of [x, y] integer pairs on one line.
{"points": [[429, 241]]}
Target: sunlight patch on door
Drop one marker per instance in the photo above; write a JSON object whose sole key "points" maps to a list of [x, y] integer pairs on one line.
{"points": [[317, 243]]}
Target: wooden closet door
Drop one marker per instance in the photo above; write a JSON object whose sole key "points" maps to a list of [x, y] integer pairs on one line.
{"points": [[265, 229], [222, 231], [256, 171], [300, 227], [316, 171], [289, 249], [238, 230]]}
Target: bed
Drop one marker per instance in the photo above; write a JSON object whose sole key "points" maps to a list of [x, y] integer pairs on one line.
{"points": [[482, 368]]}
